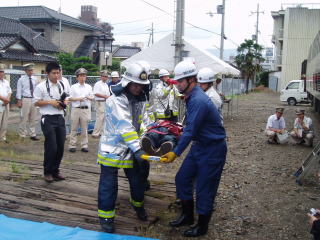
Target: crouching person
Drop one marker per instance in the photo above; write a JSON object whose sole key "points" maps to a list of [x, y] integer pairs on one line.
{"points": [[302, 130], [276, 127], [125, 118]]}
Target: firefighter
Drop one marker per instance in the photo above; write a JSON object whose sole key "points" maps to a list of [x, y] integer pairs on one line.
{"points": [[204, 163], [165, 98], [125, 119], [206, 81]]}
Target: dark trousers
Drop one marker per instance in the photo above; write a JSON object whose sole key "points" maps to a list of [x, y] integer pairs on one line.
{"points": [[157, 139], [203, 165], [54, 131], [108, 186]]}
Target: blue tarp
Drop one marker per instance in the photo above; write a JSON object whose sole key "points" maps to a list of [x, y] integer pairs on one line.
{"points": [[18, 229]]}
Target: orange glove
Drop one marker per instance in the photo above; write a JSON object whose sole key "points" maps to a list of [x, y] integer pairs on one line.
{"points": [[168, 157]]}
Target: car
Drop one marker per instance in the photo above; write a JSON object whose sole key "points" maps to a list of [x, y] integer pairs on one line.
{"points": [[294, 93]]}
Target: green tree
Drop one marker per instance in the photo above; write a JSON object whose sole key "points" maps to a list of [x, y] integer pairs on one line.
{"points": [[70, 64], [248, 59]]}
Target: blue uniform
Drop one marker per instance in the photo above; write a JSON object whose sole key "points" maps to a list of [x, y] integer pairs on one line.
{"points": [[206, 158]]}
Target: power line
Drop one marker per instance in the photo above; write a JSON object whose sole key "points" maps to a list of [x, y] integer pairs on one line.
{"points": [[138, 20], [203, 29]]}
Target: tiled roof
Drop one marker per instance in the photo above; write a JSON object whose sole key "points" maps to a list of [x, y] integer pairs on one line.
{"points": [[125, 51], [10, 27], [25, 56], [41, 13]]}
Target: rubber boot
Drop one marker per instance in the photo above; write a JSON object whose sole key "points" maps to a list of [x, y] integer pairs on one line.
{"points": [[200, 229], [141, 213], [186, 217], [107, 224]]}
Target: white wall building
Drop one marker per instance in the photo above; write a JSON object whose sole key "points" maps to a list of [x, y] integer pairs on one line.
{"points": [[293, 32]]}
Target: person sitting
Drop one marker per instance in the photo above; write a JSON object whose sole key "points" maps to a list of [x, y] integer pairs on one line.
{"points": [[161, 137], [302, 130], [276, 126]]}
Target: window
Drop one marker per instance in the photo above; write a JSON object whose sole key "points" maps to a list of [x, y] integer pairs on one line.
{"points": [[294, 85]]}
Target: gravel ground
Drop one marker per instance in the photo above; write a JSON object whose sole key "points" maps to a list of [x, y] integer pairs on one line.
{"points": [[258, 198]]}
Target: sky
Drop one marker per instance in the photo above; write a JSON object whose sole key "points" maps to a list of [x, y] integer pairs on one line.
{"points": [[132, 19]]}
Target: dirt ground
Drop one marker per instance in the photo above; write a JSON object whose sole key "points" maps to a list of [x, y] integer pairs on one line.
{"points": [[258, 198]]}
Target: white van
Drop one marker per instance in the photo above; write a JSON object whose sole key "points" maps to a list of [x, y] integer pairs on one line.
{"points": [[294, 93]]}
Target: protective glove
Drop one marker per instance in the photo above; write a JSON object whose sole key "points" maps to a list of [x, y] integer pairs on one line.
{"points": [[168, 157], [138, 156]]}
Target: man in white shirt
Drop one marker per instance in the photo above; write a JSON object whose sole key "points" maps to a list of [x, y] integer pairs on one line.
{"points": [[275, 125], [101, 92], [48, 97], [80, 97], [25, 87], [302, 129], [65, 83], [5, 95]]}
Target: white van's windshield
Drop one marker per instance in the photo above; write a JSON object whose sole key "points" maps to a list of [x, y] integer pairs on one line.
{"points": [[293, 85]]}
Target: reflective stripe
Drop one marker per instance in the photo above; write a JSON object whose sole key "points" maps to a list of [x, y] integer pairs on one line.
{"points": [[130, 136], [162, 116], [139, 121], [136, 204], [175, 113], [114, 162], [130, 139], [166, 92], [106, 214], [151, 116]]}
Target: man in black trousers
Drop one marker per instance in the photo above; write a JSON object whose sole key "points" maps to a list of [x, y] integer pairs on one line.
{"points": [[48, 96]]}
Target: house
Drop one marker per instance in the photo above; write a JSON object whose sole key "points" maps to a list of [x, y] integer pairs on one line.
{"points": [[74, 36], [294, 29], [19, 45], [124, 52]]}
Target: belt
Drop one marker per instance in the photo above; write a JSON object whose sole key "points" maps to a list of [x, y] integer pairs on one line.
{"points": [[100, 100], [26, 97], [83, 107]]}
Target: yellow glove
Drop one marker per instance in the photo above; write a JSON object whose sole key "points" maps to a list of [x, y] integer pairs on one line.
{"points": [[168, 157]]}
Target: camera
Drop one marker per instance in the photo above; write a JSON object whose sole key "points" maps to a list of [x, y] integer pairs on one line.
{"points": [[61, 100]]}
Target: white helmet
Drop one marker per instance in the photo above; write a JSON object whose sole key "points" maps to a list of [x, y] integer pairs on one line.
{"points": [[135, 73], [163, 72], [185, 69], [206, 75], [146, 66], [114, 74]]}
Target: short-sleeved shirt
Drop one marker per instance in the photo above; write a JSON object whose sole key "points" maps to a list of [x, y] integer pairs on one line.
{"points": [[66, 85], [81, 91], [41, 93], [23, 86], [306, 120], [5, 90], [274, 122], [101, 88]]}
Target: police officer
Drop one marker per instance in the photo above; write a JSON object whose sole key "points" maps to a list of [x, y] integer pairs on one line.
{"points": [[80, 97], [5, 95], [101, 92], [25, 87], [48, 97], [206, 158], [126, 118]]}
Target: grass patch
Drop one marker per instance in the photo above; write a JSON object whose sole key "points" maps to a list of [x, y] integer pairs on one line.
{"points": [[14, 155], [21, 172]]}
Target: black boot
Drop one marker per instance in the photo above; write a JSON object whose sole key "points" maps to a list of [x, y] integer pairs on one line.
{"points": [[107, 224], [141, 213], [186, 217], [200, 229]]}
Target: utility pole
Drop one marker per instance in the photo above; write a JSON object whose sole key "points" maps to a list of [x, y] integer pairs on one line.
{"points": [[151, 35], [257, 25], [221, 10], [179, 31], [60, 27], [256, 39]]}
